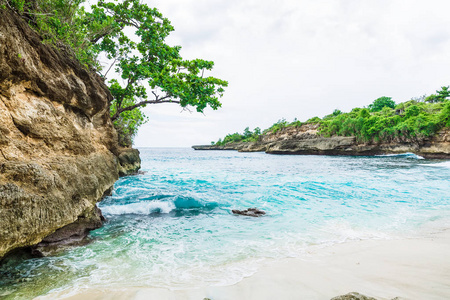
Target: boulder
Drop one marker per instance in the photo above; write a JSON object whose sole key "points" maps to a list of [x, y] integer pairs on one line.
{"points": [[251, 212]]}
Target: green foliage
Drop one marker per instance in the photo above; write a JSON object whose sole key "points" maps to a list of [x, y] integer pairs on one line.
{"points": [[433, 98], [444, 115], [406, 121], [313, 120], [381, 102], [132, 36], [247, 136], [443, 94], [295, 123], [440, 96], [127, 125], [412, 111], [414, 120], [277, 126], [335, 113], [17, 5]]}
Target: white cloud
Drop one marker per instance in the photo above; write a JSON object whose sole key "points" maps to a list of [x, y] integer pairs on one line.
{"points": [[301, 59]]}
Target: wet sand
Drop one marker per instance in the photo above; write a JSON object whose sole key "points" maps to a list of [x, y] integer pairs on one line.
{"points": [[415, 268]]}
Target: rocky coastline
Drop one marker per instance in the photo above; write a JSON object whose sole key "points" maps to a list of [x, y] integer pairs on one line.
{"points": [[58, 149], [306, 140]]}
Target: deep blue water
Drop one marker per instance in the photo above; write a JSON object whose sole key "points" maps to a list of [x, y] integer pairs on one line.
{"points": [[173, 227]]}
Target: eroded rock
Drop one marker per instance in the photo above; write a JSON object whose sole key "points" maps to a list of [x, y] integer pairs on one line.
{"points": [[250, 212], [58, 148], [353, 296], [306, 140], [129, 161]]}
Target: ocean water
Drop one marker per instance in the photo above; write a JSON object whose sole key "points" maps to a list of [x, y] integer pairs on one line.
{"points": [[173, 228]]}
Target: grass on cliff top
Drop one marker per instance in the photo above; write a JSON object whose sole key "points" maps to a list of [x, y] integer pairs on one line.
{"points": [[383, 120]]}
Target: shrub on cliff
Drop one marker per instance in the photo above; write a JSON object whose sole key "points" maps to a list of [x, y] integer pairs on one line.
{"points": [[380, 103], [131, 35], [247, 136], [407, 121]]}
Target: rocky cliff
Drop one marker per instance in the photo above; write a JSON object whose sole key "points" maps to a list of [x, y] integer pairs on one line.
{"points": [[58, 148], [306, 140]]}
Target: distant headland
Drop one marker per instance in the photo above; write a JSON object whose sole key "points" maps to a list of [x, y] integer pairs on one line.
{"points": [[420, 126]]}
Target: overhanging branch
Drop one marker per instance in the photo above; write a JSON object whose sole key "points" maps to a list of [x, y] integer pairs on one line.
{"points": [[131, 107]]}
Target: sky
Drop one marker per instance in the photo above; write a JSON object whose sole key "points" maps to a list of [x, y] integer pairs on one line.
{"points": [[299, 59]]}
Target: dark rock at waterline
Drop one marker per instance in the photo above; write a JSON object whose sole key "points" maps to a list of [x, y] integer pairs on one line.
{"points": [[307, 140], [74, 234], [129, 162], [353, 296], [251, 212]]}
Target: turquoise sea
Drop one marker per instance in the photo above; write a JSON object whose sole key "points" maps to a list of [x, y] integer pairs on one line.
{"points": [[173, 228]]}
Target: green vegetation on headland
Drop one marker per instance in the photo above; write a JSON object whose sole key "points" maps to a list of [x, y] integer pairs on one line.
{"points": [[383, 120], [130, 36]]}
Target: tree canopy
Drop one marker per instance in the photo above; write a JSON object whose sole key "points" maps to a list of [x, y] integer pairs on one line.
{"points": [[381, 102], [131, 35]]}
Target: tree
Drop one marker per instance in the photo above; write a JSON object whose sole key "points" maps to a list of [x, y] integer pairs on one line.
{"points": [[132, 36], [381, 102], [247, 133], [443, 94], [150, 62]]}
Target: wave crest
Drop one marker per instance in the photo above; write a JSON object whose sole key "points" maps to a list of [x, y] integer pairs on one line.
{"points": [[402, 155], [177, 203]]}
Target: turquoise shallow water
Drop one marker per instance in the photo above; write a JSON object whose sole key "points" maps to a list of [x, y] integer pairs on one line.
{"points": [[173, 227]]}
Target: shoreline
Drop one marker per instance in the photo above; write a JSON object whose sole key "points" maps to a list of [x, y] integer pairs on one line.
{"points": [[326, 152], [410, 268]]}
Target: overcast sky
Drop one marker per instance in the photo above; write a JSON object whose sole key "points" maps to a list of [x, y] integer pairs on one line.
{"points": [[300, 59]]}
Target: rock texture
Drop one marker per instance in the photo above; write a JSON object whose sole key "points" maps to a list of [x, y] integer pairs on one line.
{"points": [[357, 296], [69, 235], [250, 212], [353, 296], [58, 149], [129, 161], [306, 140]]}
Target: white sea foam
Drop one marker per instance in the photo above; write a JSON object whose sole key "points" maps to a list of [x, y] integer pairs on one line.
{"points": [[404, 155], [444, 164], [340, 231], [140, 208]]}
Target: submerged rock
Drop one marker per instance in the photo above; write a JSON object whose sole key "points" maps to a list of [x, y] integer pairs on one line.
{"points": [[251, 212]]}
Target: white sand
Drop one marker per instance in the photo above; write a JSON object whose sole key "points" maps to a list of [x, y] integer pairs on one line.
{"points": [[409, 269]]}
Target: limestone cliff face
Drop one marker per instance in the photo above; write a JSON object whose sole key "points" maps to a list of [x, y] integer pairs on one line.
{"points": [[58, 149], [306, 140], [129, 161]]}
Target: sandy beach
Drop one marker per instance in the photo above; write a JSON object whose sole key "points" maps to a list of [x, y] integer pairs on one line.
{"points": [[414, 268]]}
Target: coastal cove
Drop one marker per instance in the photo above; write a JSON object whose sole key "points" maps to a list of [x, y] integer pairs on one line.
{"points": [[355, 201], [170, 232]]}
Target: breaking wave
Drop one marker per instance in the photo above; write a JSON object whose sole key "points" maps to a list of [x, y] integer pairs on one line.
{"points": [[165, 206], [402, 155]]}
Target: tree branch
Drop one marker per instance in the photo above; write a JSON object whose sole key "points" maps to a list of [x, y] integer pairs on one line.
{"points": [[115, 59], [128, 108]]}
